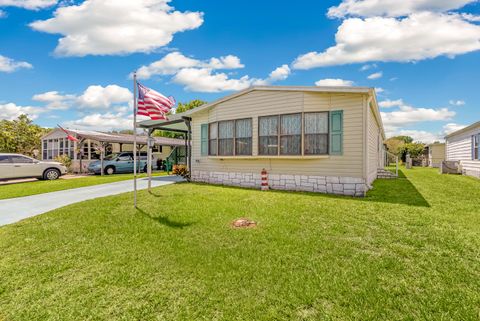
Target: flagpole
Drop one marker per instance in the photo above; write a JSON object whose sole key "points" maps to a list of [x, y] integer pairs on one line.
{"points": [[135, 139]]}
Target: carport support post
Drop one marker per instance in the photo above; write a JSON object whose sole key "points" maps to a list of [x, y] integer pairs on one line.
{"points": [[188, 151], [150, 142], [102, 156]]}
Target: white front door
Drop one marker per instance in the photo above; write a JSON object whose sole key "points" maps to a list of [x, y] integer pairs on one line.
{"points": [[25, 167]]}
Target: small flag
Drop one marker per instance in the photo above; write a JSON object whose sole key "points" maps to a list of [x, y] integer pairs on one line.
{"points": [[153, 104], [69, 137]]}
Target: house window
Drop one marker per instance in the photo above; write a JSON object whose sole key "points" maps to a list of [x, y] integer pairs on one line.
{"points": [[476, 147], [286, 134], [291, 134], [212, 138], [316, 133], [157, 149], [243, 137], [268, 135], [230, 138], [225, 137]]}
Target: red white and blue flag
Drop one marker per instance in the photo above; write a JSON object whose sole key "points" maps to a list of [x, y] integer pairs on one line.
{"points": [[153, 104], [69, 136]]}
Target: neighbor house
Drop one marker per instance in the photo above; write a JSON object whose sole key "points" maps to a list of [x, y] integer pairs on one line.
{"points": [[90, 143], [463, 146], [320, 139], [436, 154]]}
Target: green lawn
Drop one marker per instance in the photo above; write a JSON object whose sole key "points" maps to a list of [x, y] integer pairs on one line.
{"points": [[39, 187], [409, 251]]}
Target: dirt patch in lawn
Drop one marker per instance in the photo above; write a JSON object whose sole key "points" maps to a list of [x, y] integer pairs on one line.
{"points": [[243, 223]]}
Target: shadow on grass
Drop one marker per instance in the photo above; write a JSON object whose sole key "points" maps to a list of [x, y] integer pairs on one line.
{"points": [[165, 220], [394, 191]]}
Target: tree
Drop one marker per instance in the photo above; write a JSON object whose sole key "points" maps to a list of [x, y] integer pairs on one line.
{"points": [[414, 149], [183, 107], [395, 146], [20, 135], [405, 139]]}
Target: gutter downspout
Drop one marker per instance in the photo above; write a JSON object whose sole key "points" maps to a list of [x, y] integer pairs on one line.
{"points": [[365, 137]]}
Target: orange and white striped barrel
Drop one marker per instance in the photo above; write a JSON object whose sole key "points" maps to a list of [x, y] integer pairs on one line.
{"points": [[264, 180]]}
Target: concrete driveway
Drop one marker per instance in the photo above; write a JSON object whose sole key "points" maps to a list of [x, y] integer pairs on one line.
{"points": [[16, 209]]}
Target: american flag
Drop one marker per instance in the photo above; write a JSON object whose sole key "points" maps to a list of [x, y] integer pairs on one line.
{"points": [[153, 104]]}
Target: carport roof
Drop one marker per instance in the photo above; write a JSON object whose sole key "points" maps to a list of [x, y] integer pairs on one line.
{"points": [[123, 138]]}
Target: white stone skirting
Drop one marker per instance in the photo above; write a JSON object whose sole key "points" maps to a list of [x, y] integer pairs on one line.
{"points": [[321, 184]]}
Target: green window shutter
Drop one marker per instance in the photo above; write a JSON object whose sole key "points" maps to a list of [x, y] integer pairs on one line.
{"points": [[204, 139], [336, 132]]}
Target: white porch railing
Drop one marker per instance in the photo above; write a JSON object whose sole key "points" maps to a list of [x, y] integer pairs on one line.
{"points": [[390, 158]]}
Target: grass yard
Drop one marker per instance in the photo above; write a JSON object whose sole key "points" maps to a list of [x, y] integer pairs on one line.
{"points": [[409, 251], [39, 187]]}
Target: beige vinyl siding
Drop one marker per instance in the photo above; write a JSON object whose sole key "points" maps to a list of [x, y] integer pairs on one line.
{"points": [[262, 103], [436, 155], [373, 146]]}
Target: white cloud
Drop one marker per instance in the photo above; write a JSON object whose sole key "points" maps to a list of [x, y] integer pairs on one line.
{"points": [[98, 97], [392, 8], [28, 4], [368, 67], [203, 75], [102, 122], [113, 27], [280, 73], [375, 75], [11, 111], [407, 115], [227, 62], [379, 90], [10, 65], [426, 136], [55, 100], [471, 17], [334, 82], [452, 127], [391, 103], [175, 61], [417, 135], [457, 102], [203, 80], [424, 35]]}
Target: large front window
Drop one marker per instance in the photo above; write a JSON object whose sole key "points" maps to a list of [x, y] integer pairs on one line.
{"points": [[230, 138], [286, 134]]}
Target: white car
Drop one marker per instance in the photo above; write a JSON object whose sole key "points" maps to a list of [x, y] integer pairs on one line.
{"points": [[20, 166]]}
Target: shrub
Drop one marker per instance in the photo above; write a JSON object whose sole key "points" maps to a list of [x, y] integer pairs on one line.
{"points": [[65, 160], [180, 170]]}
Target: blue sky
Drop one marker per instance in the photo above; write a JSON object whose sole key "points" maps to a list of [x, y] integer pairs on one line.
{"points": [[69, 62]]}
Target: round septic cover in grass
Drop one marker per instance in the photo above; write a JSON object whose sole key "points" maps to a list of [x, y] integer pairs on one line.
{"points": [[243, 222]]}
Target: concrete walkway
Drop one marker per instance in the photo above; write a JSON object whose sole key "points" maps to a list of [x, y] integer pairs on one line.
{"points": [[15, 209]]}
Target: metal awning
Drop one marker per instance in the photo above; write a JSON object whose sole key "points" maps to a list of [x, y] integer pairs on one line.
{"points": [[175, 123]]}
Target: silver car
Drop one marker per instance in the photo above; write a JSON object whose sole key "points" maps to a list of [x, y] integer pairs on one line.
{"points": [[20, 166]]}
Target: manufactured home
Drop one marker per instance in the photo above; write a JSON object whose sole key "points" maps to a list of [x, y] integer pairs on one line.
{"points": [[463, 146], [436, 154], [89, 145], [319, 139]]}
